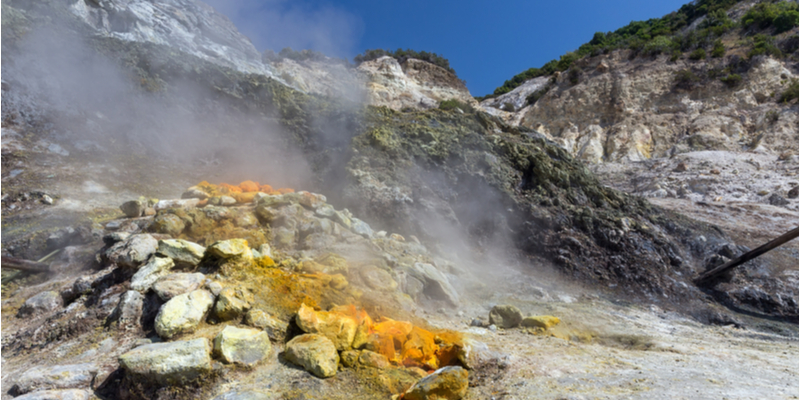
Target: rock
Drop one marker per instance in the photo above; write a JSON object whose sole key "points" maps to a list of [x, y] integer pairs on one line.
{"points": [[792, 193], [183, 252], [129, 309], [763, 192], [242, 346], [274, 327], [182, 203], [448, 383], [226, 201], [602, 67], [133, 208], [473, 353], [47, 200], [194, 192], [681, 167], [214, 287], [176, 284], [231, 249], [541, 321], [435, 278], [66, 394], [338, 282], [56, 377], [777, 200], [315, 353], [169, 224], [232, 303], [378, 279], [311, 200], [115, 237], [285, 238], [397, 237], [151, 272], [343, 219], [41, 303], [349, 358], [340, 329], [168, 363], [247, 395], [183, 313], [245, 219], [114, 225], [132, 252], [360, 227], [505, 316], [373, 360]]}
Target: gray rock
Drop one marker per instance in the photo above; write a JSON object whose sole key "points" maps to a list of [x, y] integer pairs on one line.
{"points": [[274, 327], [176, 284], [214, 287], [115, 237], [183, 313], [360, 227], [47, 200], [242, 346], [129, 309], [247, 395], [150, 273], [448, 383], [226, 201], [315, 353], [133, 251], [232, 304], [194, 193], [169, 224], [183, 252], [72, 376], [114, 225], [66, 394], [326, 211], [505, 316], [793, 192], [41, 303], [168, 363], [378, 279], [777, 200], [182, 203], [133, 208], [435, 278]]}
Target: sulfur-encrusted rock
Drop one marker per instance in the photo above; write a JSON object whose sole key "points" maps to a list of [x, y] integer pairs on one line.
{"points": [[373, 360], [168, 363], [183, 313], [168, 223], [274, 327], [505, 316], [315, 353], [133, 251], [56, 377], [175, 284], [448, 383], [133, 208], [349, 358], [231, 249], [63, 394], [182, 252], [151, 272], [540, 321], [40, 303], [242, 346], [340, 329], [232, 303]]}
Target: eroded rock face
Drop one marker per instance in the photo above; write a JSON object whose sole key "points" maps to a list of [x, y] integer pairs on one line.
{"points": [[315, 353], [183, 313], [56, 377], [242, 346], [448, 383], [168, 363]]}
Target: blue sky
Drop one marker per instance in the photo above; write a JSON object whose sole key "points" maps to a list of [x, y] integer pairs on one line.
{"points": [[486, 42]]}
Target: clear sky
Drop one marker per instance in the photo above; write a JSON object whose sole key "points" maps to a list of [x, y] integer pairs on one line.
{"points": [[486, 42]]}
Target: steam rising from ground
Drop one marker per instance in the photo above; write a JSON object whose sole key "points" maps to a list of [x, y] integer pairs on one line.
{"points": [[275, 24]]}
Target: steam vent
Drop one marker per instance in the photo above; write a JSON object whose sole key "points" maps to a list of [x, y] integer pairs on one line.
{"points": [[188, 216]]}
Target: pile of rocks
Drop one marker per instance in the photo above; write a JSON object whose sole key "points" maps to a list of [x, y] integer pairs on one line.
{"points": [[506, 316]]}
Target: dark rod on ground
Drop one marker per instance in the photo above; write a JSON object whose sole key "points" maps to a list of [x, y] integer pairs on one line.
{"points": [[24, 265], [748, 256]]}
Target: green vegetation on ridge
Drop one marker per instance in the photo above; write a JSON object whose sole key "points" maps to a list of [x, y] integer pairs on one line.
{"points": [[401, 55], [663, 35]]}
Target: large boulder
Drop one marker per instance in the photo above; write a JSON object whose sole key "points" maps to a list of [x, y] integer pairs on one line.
{"points": [[41, 303], [133, 208], [183, 313], [183, 252], [315, 353], [505, 316], [73, 376], [150, 273], [448, 383], [64, 394], [133, 251], [437, 280], [168, 363], [242, 346], [178, 283], [340, 329]]}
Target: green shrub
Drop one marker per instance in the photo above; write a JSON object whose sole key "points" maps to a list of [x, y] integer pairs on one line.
{"points": [[786, 19], [763, 44], [452, 104], [675, 55], [686, 79], [782, 15], [718, 50], [574, 75], [659, 44], [790, 93], [731, 80], [698, 54], [772, 116]]}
